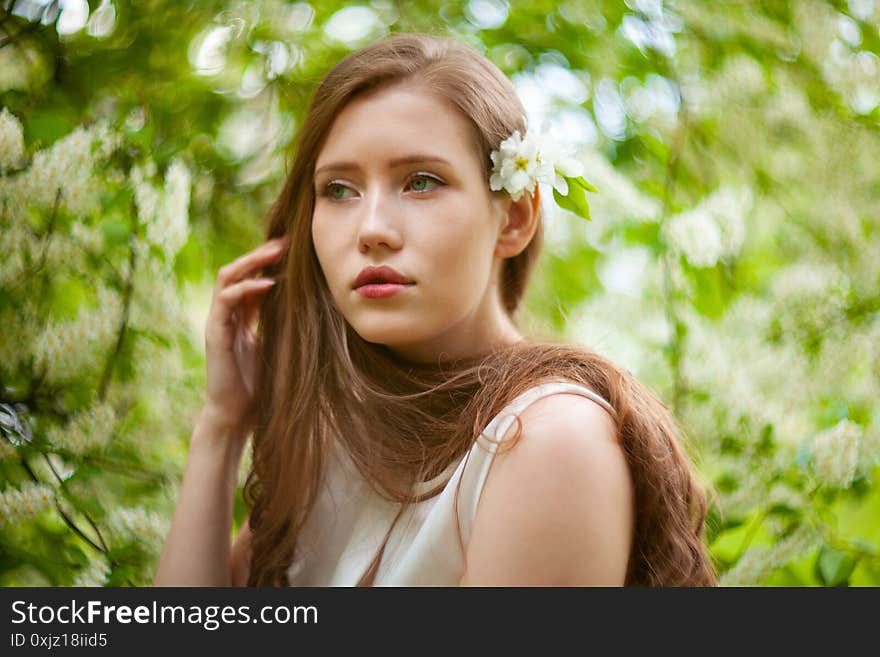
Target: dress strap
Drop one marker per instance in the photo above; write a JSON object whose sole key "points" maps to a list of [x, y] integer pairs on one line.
{"points": [[566, 386], [482, 453], [497, 428]]}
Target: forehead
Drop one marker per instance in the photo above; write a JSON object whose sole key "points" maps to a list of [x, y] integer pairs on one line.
{"points": [[399, 121]]}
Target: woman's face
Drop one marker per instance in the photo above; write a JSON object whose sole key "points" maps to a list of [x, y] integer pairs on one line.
{"points": [[432, 218]]}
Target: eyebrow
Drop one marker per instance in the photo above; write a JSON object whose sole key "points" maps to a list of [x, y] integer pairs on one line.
{"points": [[407, 159]]}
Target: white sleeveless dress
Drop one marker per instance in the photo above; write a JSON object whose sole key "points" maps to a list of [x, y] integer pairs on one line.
{"points": [[350, 521]]}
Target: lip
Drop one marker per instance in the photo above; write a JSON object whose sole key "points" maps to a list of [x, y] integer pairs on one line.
{"points": [[381, 290], [379, 276]]}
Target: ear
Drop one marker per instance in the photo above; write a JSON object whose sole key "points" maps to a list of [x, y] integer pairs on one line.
{"points": [[519, 225]]}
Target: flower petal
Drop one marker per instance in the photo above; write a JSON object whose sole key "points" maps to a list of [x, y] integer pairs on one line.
{"points": [[520, 180], [570, 167], [561, 185]]}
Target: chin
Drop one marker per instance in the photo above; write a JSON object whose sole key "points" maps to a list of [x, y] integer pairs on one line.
{"points": [[385, 333]]}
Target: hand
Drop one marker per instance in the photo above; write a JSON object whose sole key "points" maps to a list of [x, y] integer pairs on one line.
{"points": [[231, 343]]}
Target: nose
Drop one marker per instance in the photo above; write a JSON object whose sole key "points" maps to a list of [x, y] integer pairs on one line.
{"points": [[379, 224]]}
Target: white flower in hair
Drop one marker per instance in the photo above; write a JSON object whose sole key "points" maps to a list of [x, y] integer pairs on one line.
{"points": [[556, 165], [515, 166], [521, 162]]}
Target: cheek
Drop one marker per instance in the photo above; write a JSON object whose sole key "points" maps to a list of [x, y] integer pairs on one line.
{"points": [[460, 252], [318, 243], [322, 239]]}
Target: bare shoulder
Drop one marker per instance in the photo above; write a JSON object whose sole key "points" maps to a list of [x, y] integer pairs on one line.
{"points": [[556, 508]]}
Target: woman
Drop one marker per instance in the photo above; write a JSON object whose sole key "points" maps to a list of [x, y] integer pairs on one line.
{"points": [[378, 399]]}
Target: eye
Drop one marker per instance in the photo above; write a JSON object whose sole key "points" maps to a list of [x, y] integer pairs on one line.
{"points": [[420, 178], [328, 191]]}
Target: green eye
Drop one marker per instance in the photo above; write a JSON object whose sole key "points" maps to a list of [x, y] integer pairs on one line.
{"points": [[329, 191], [423, 178], [336, 191]]}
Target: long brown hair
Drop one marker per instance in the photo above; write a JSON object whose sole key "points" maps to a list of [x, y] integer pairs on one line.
{"points": [[403, 423]]}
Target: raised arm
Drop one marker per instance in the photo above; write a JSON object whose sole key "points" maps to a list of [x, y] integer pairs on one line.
{"points": [[197, 550]]}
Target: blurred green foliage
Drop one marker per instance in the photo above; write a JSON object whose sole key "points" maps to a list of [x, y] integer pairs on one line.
{"points": [[733, 260]]}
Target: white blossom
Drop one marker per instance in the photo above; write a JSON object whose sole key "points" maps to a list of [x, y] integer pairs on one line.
{"points": [[515, 165], [625, 329], [89, 430], [64, 254], [156, 304], [713, 230], [147, 528], [521, 162], [849, 356], [88, 237], [696, 235], [749, 494], [166, 399], [95, 574], [19, 327], [11, 142], [24, 502], [68, 349], [22, 249], [809, 294], [68, 167], [146, 195], [174, 216], [729, 206], [17, 241], [745, 376], [740, 74], [620, 197], [103, 20], [869, 447], [782, 493], [555, 163], [836, 453], [760, 562], [164, 213]]}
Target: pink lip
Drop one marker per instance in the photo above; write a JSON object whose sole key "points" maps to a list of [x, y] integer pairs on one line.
{"points": [[377, 275], [381, 290]]}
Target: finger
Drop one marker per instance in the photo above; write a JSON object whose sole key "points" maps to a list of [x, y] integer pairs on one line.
{"points": [[226, 301], [249, 309], [249, 262]]}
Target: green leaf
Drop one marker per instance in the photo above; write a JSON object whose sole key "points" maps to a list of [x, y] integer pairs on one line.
{"points": [[116, 232], [766, 445], [712, 291], [78, 556], [576, 199], [786, 576], [583, 183], [48, 124], [727, 482], [189, 265], [565, 282], [834, 567], [786, 511], [732, 444], [865, 546]]}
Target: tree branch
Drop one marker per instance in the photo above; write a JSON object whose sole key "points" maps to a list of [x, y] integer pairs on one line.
{"points": [[676, 346], [126, 305], [68, 521]]}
